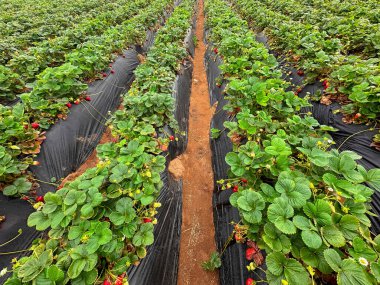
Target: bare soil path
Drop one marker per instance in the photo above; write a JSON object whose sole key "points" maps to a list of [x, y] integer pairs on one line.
{"points": [[197, 232]]}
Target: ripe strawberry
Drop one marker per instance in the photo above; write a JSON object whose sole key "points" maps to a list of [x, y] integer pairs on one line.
{"points": [[76, 102], [147, 220], [235, 188], [104, 74], [68, 105], [119, 281], [123, 55], [26, 127], [244, 180], [300, 72], [35, 125], [36, 162], [112, 71], [87, 98], [218, 85], [25, 198], [110, 65], [171, 138], [40, 199], [250, 281], [107, 282], [250, 252], [216, 51], [357, 116], [325, 84]]}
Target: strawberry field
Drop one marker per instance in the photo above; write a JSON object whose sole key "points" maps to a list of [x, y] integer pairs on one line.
{"points": [[105, 148]]}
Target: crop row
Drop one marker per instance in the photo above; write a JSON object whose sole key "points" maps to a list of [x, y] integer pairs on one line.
{"points": [[102, 221], [89, 38], [302, 202], [321, 56], [356, 32], [22, 125], [26, 27]]}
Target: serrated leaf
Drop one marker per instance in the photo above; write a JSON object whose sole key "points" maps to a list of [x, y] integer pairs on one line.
{"points": [[333, 259]]}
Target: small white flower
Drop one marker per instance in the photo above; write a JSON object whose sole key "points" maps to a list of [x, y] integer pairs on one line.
{"points": [[330, 141], [330, 189], [363, 261], [3, 271]]}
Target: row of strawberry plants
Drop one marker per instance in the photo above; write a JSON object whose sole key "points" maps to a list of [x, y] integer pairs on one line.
{"points": [[102, 222], [27, 64], [302, 202], [356, 33], [22, 125], [23, 28], [320, 56]]}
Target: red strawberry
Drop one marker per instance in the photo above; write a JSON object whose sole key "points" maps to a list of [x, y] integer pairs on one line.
{"points": [[40, 199], [26, 127], [357, 116], [68, 105], [300, 72], [119, 281], [215, 50], [76, 102], [35, 125], [110, 65], [104, 74], [87, 98], [250, 281], [112, 71], [244, 180], [25, 198], [235, 188], [250, 252], [171, 138], [123, 56], [147, 220], [107, 282], [218, 85]]}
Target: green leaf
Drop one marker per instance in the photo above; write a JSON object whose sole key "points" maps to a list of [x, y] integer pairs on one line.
{"points": [[278, 147], [333, 236], [39, 220], [236, 164], [54, 273], [275, 263], [361, 249], [311, 239], [375, 269], [295, 190], [251, 204], [333, 259], [373, 178], [295, 273], [349, 226], [352, 274], [76, 268], [279, 213], [320, 211], [301, 222]]}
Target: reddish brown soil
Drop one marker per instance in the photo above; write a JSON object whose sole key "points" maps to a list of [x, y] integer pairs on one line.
{"points": [[197, 233], [91, 161]]}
